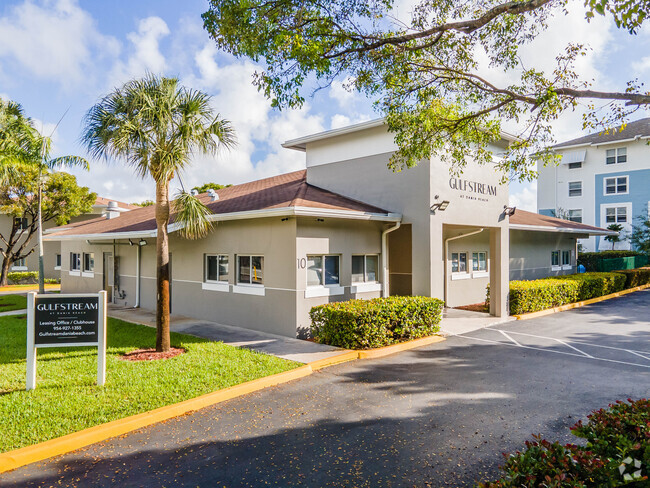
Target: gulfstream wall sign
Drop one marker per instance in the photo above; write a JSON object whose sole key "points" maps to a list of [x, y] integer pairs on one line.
{"points": [[473, 190]]}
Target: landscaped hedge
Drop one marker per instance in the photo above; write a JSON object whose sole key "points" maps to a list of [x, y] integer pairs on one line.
{"points": [[23, 277], [594, 285], [617, 454], [635, 277], [365, 324], [590, 260], [535, 295]]}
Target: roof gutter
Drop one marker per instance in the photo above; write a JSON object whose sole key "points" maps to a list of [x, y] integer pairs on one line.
{"points": [[109, 236], [542, 228]]}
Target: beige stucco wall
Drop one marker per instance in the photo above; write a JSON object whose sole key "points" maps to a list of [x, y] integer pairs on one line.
{"points": [[467, 288], [530, 253]]}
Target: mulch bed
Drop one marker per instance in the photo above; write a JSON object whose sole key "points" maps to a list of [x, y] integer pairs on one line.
{"points": [[476, 307], [152, 355]]}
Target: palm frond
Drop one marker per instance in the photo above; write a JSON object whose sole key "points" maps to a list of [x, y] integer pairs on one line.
{"points": [[68, 162], [192, 215]]}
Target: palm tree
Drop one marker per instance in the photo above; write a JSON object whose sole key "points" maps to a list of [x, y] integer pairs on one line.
{"points": [[615, 237], [156, 125]]}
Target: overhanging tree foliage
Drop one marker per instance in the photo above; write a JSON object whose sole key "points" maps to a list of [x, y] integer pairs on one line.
{"points": [[427, 76], [63, 200], [209, 186]]}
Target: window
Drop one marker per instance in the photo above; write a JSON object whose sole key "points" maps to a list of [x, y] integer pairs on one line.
{"points": [[89, 262], [575, 188], [250, 269], [555, 258], [75, 261], [616, 215], [21, 223], [322, 270], [479, 261], [57, 261], [575, 215], [566, 258], [216, 268], [616, 155], [459, 262], [19, 263], [616, 185], [364, 268], [575, 165]]}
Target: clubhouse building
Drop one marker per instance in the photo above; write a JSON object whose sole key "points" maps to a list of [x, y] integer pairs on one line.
{"points": [[345, 227]]}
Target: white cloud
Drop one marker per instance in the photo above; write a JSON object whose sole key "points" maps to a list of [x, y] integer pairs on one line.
{"points": [[343, 91], [525, 198], [53, 40]]}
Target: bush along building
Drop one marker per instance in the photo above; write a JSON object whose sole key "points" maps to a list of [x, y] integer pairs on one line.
{"points": [[602, 179], [345, 227]]}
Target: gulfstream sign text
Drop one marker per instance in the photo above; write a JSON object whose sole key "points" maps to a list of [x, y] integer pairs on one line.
{"points": [[472, 187]]}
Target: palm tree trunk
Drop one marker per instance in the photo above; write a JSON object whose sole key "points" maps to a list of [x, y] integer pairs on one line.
{"points": [[162, 264]]}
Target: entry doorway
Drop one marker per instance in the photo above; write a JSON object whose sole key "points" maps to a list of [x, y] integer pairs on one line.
{"points": [[400, 262], [109, 273]]}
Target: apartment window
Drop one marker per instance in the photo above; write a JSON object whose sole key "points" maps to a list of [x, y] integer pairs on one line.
{"points": [[459, 262], [479, 261], [216, 268], [566, 258], [555, 258], [577, 165], [364, 268], [19, 263], [89, 262], [616, 215], [250, 269], [21, 223], [575, 188], [323, 270], [75, 261], [615, 156], [616, 185], [57, 261], [575, 215]]}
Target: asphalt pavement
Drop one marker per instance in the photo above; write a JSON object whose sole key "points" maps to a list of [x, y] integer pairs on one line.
{"points": [[440, 415]]}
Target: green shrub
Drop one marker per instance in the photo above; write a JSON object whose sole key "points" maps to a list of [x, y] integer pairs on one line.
{"points": [[535, 295], [23, 277], [594, 285], [617, 453], [590, 260], [365, 324], [635, 277], [52, 281]]}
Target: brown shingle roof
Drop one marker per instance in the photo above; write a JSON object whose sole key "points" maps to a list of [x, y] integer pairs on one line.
{"points": [[287, 190], [522, 217], [639, 127]]}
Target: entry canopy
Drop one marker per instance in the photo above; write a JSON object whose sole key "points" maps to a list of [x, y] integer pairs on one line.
{"points": [[574, 157]]}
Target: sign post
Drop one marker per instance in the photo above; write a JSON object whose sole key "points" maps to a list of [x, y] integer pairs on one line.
{"points": [[66, 321]]}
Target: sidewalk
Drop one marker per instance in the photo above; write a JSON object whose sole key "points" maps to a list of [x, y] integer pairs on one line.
{"points": [[456, 321], [284, 347]]}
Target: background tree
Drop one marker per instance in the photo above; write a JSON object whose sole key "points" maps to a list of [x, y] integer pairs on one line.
{"points": [[640, 236], [209, 186], [617, 237], [155, 125], [426, 76], [64, 200], [144, 203]]}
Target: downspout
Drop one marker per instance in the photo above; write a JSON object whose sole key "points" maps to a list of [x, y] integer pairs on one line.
{"points": [[137, 277], [447, 254], [384, 258], [114, 292]]}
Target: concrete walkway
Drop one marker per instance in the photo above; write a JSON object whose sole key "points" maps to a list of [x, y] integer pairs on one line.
{"points": [[456, 321], [284, 347], [13, 312]]}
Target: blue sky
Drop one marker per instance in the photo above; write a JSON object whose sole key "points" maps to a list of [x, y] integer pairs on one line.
{"points": [[58, 55]]}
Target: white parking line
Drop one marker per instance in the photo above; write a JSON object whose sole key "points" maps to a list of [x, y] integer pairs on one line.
{"points": [[514, 343]]}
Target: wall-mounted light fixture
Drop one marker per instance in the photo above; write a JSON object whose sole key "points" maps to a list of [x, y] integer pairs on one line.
{"points": [[142, 242], [442, 206], [509, 211], [320, 220]]}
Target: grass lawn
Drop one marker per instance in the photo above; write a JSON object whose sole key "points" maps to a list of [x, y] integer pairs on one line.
{"points": [[66, 398], [12, 302]]}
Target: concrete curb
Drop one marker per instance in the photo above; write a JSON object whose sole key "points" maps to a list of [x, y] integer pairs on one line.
{"points": [[570, 306], [71, 442]]}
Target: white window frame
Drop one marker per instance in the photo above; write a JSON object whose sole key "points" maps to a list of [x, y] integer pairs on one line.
{"points": [[568, 265], [481, 273], [616, 192], [322, 289], [569, 188], [57, 262], [76, 269], [558, 266], [367, 285], [574, 165], [21, 266], [460, 275], [569, 217], [249, 288], [215, 285], [87, 273], [616, 209], [617, 157]]}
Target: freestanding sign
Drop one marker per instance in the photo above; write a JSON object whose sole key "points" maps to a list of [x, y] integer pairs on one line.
{"points": [[66, 321]]}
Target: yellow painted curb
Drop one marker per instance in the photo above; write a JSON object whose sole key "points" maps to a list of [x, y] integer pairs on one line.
{"points": [[71, 442], [403, 346], [27, 288], [331, 361], [570, 306]]}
